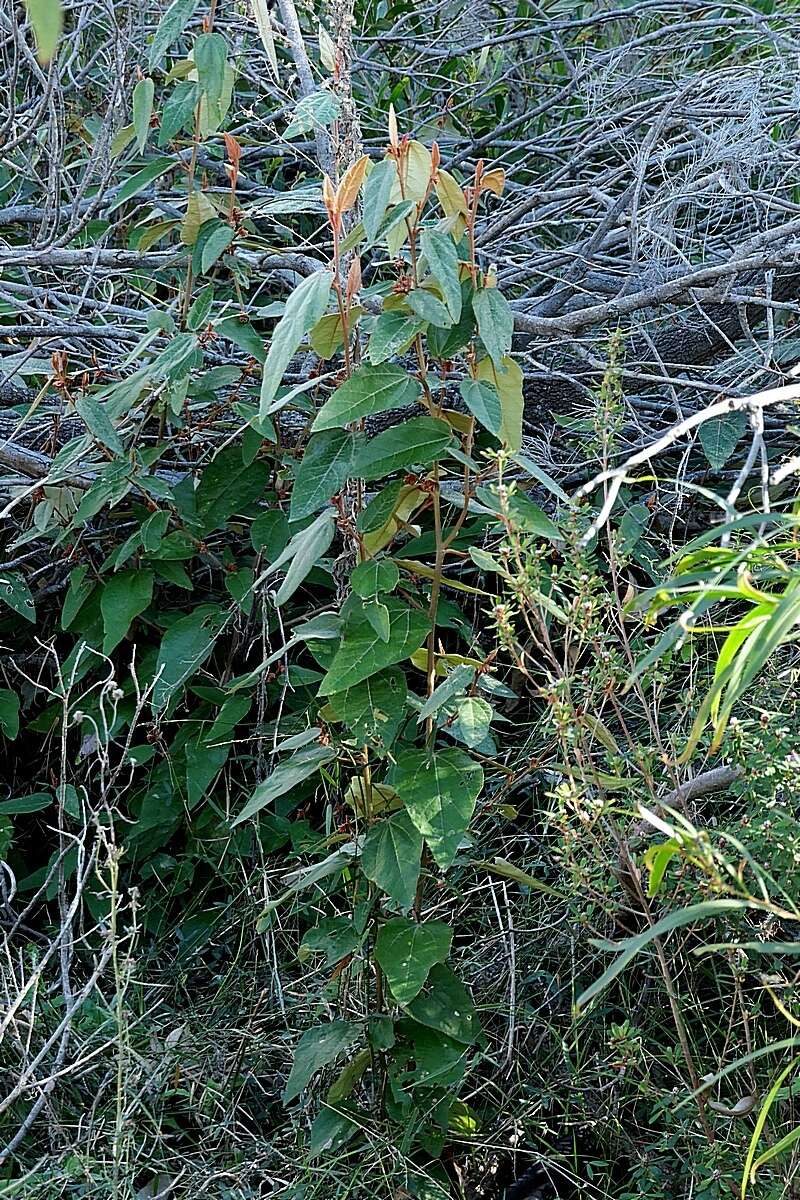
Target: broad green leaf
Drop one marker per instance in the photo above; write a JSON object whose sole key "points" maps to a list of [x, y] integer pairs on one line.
{"points": [[171, 26], [304, 308], [15, 593], [483, 402], [124, 596], [507, 379], [142, 110], [413, 443], [458, 680], [269, 534], [439, 791], [197, 316], [138, 182], [374, 576], [9, 713], [330, 1131], [316, 1049], [213, 244], [335, 937], [374, 709], [628, 948], [95, 417], [428, 308], [393, 332], [33, 802], [376, 194], [47, 19], [719, 437], [388, 227], [391, 857], [446, 1006], [369, 390], [495, 323], [228, 486], [362, 652], [203, 765], [210, 56], [324, 468], [287, 775], [199, 212], [380, 508], [184, 646], [378, 616], [302, 553], [316, 111], [178, 110], [525, 515], [406, 951], [442, 258], [473, 718], [79, 590]]}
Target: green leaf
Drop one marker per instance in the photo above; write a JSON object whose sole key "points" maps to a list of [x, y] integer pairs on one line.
{"points": [[185, 645], [47, 19], [142, 110], [304, 308], [719, 437], [79, 590], [495, 323], [390, 857], [269, 534], [316, 111], [302, 553], [201, 306], [335, 937], [374, 576], [447, 1006], [171, 26], [33, 802], [439, 791], [428, 308], [324, 468], [393, 332], [287, 775], [473, 718], [330, 1131], [15, 592], [123, 598], [483, 402], [362, 653], [211, 244], [442, 257], [508, 382], [378, 616], [228, 486], [380, 507], [97, 421], [413, 443], [138, 182], [406, 951], [368, 391], [374, 709], [210, 56], [9, 713], [458, 680], [316, 1049], [376, 195], [178, 110]]}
